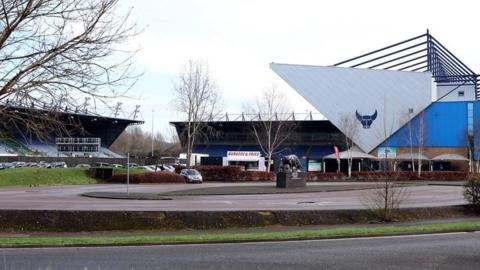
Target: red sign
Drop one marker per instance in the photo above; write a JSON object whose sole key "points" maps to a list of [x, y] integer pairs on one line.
{"points": [[243, 155]]}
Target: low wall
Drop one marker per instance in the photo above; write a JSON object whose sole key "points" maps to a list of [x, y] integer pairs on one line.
{"points": [[74, 221]]}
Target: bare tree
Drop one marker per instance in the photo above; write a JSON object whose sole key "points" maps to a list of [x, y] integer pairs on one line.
{"points": [[409, 136], [53, 53], [470, 145], [421, 136], [388, 195], [197, 98], [137, 142], [385, 199], [387, 119], [472, 142], [272, 128], [349, 127]]}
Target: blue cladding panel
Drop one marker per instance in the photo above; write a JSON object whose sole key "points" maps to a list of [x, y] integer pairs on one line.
{"points": [[199, 149], [446, 126], [220, 150], [249, 148], [320, 151], [299, 150]]}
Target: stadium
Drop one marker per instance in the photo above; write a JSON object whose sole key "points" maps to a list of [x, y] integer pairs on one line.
{"points": [[412, 100], [85, 135]]}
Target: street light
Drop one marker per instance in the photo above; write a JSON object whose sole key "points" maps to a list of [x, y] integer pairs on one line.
{"points": [[152, 131]]}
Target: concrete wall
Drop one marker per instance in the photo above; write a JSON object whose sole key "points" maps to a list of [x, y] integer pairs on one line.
{"points": [[451, 93]]}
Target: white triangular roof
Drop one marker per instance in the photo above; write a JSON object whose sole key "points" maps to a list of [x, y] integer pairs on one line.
{"points": [[450, 157], [337, 92], [410, 156], [354, 153]]}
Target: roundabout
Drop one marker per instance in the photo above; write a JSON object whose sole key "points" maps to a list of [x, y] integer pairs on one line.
{"points": [[104, 207], [219, 197]]}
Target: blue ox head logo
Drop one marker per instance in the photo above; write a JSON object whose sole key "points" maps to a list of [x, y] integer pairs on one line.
{"points": [[366, 120]]}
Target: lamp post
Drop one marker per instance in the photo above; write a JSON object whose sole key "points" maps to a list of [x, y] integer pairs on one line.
{"points": [[153, 137], [128, 172]]}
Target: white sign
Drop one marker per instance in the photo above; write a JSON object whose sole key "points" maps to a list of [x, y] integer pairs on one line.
{"points": [[243, 155], [387, 152]]}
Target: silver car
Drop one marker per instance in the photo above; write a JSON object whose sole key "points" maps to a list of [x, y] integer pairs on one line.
{"points": [[191, 176]]}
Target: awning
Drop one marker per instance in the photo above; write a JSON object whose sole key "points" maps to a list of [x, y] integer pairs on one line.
{"points": [[450, 157], [354, 153], [410, 156]]}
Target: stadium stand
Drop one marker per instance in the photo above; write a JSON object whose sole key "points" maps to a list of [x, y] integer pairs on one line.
{"points": [[90, 137]]}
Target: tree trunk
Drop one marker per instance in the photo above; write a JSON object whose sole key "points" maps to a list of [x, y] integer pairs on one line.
{"points": [[269, 158], [350, 161], [419, 169]]}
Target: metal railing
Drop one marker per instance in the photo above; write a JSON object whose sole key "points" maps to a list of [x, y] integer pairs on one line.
{"points": [[80, 140], [293, 116]]}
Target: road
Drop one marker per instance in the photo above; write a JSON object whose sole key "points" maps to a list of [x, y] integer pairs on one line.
{"points": [[69, 198], [438, 252]]}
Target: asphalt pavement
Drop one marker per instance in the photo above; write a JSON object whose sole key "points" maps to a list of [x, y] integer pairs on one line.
{"points": [[439, 251], [69, 197]]}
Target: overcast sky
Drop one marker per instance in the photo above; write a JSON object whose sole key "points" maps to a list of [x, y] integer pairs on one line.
{"points": [[240, 38]]}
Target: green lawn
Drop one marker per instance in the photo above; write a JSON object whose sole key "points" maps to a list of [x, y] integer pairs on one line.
{"points": [[53, 176], [233, 237]]}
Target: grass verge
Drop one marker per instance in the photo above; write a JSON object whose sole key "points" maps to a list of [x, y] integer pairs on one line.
{"points": [[43, 176], [237, 237], [53, 176]]}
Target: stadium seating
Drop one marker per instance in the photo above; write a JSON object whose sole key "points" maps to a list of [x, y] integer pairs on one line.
{"points": [[109, 153], [18, 145]]}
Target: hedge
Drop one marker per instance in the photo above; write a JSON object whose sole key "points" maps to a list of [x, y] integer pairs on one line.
{"points": [[233, 174], [236, 174], [411, 176], [148, 177], [230, 173], [324, 177]]}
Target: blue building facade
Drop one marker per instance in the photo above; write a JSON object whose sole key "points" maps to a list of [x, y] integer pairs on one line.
{"points": [[444, 124]]}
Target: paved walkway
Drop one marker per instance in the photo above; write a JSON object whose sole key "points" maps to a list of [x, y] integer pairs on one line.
{"points": [[69, 198]]}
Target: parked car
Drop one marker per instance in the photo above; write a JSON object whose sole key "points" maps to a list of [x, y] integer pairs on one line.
{"points": [[164, 168], [19, 164], [103, 164], [149, 168], [117, 165], [43, 164], [132, 165], [191, 176], [59, 165], [82, 165], [8, 165]]}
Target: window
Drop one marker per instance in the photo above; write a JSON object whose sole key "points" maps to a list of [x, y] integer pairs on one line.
{"points": [[410, 110], [461, 93]]}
